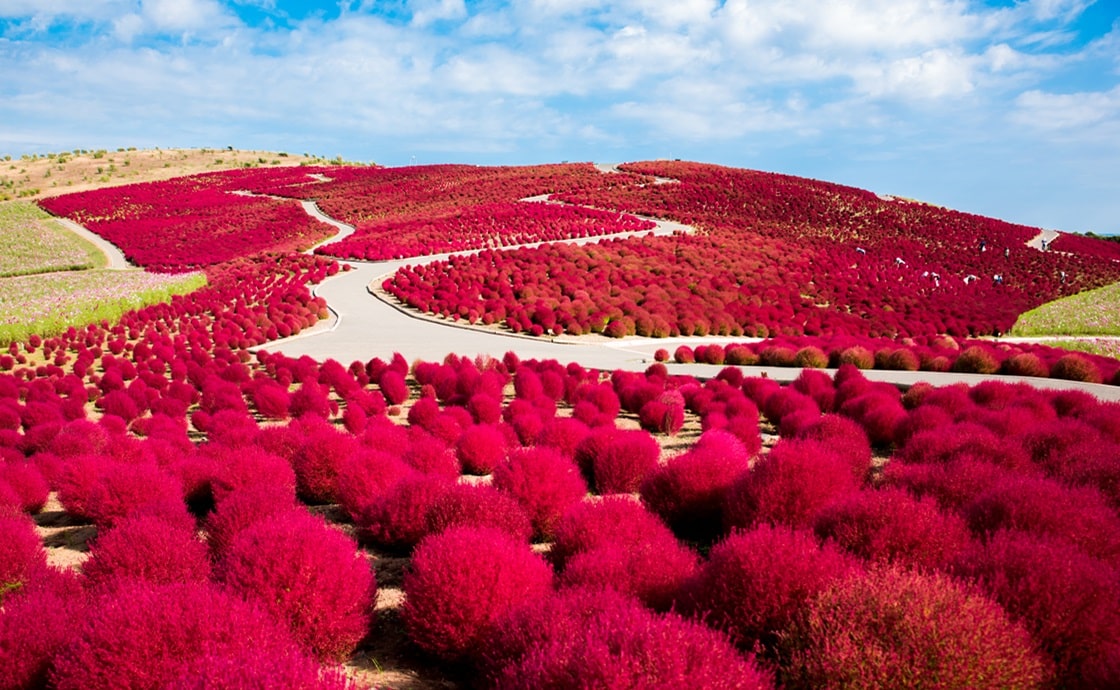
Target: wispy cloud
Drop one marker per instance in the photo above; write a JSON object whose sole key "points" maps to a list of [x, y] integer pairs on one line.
{"points": [[848, 87]]}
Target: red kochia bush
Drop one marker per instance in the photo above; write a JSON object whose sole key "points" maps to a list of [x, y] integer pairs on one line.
{"points": [[322, 449], [249, 466], [789, 486], [143, 636], [544, 482], [479, 505], [622, 646], [147, 548], [259, 669], [591, 524], [364, 477], [399, 518], [33, 627], [1078, 516], [890, 525], [124, 489], [754, 582], [462, 581], [687, 491], [27, 483], [1068, 600], [626, 459], [243, 508], [308, 575], [21, 552], [897, 629], [481, 448], [653, 568]]}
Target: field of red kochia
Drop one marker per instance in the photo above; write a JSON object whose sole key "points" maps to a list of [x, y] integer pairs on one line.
{"points": [[251, 509]]}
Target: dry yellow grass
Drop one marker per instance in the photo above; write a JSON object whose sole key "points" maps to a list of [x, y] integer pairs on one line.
{"points": [[33, 177]]}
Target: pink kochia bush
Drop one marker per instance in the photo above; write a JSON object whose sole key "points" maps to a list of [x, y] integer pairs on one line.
{"points": [[478, 505], [789, 486], [624, 460], [147, 548], [890, 525], [687, 491], [755, 582], [590, 639], [652, 567], [143, 636], [1067, 599], [308, 575], [545, 482], [462, 581], [893, 628], [33, 626], [261, 669], [21, 551]]}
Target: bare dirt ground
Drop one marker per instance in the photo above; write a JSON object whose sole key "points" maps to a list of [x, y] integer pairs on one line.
{"points": [[34, 177]]}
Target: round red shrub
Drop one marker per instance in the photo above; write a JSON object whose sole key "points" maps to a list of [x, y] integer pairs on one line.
{"points": [[260, 669], [897, 629], [591, 524], [789, 486], [33, 627], [123, 489], [393, 387], [755, 581], [846, 438], [621, 646], [244, 507], [811, 357], [564, 434], [236, 468], [965, 441], [481, 448], [625, 460], [146, 548], [21, 551], [271, 400], [462, 581], [976, 360], [653, 568], [857, 356], [399, 518], [27, 483], [1078, 516], [322, 450], [1075, 367], [889, 525], [479, 505], [429, 454], [684, 355], [544, 482], [308, 575], [687, 491], [365, 476], [143, 636], [1067, 599], [953, 484]]}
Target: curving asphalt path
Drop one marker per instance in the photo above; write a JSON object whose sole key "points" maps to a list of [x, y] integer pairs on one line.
{"points": [[115, 257], [364, 325], [369, 323]]}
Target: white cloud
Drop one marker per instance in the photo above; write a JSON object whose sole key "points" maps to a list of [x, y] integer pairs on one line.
{"points": [[932, 75], [1069, 112], [425, 12]]}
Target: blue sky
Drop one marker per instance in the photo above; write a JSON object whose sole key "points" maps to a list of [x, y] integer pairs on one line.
{"points": [[1006, 108]]}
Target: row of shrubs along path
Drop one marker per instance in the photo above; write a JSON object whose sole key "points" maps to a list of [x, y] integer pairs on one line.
{"points": [[367, 322]]}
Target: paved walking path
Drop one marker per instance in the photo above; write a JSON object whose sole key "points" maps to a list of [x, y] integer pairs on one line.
{"points": [[366, 326], [115, 256], [363, 326]]}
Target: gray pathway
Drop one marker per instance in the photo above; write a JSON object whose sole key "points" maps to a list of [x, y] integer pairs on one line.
{"points": [[366, 326], [115, 256]]}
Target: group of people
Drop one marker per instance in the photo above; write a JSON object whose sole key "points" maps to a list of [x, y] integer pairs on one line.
{"points": [[997, 279]]}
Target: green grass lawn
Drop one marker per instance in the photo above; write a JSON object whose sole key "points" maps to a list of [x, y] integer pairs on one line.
{"points": [[32, 242], [1093, 312], [48, 304]]}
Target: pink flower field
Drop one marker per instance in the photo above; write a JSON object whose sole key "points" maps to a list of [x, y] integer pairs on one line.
{"points": [[181, 509]]}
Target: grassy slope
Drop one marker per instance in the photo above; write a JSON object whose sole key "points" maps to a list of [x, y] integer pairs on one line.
{"points": [[1093, 312]]}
